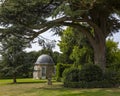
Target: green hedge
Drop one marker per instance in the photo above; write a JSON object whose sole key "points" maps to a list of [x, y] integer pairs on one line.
{"points": [[60, 68], [93, 84], [90, 76], [91, 72], [112, 77], [71, 75]]}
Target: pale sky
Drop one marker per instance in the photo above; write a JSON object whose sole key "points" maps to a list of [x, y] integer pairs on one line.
{"points": [[49, 35], [116, 38]]}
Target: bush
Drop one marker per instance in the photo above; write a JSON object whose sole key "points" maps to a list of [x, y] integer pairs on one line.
{"points": [[93, 84], [112, 77], [91, 73], [90, 76], [71, 75], [60, 68], [118, 75]]}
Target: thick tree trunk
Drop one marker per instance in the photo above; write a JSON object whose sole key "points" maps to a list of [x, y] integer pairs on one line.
{"points": [[100, 55]]}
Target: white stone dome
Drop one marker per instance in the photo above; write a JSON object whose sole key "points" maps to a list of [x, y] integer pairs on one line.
{"points": [[44, 59]]}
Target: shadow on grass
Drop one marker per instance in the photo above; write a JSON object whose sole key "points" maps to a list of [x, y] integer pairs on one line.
{"points": [[30, 82]]}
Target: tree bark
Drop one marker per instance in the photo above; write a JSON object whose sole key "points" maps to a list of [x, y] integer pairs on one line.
{"points": [[97, 41], [100, 55]]}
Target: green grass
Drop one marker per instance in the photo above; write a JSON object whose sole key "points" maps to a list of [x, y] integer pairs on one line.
{"points": [[30, 87]]}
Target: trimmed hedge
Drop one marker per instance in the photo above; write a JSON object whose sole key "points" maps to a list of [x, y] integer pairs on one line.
{"points": [[93, 84], [59, 70], [71, 75], [112, 77], [91, 72], [90, 76]]}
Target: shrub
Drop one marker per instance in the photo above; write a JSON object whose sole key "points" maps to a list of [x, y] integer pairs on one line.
{"points": [[71, 75], [60, 68], [91, 73], [93, 84], [112, 77], [90, 76], [75, 84]]}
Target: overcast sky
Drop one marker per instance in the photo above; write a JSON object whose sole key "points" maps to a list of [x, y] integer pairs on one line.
{"points": [[116, 38], [49, 35]]}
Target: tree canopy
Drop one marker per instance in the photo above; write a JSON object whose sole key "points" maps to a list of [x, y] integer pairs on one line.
{"points": [[34, 14], [94, 18]]}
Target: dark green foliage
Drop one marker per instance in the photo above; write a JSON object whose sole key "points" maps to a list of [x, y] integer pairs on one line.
{"points": [[12, 56], [29, 60], [71, 75], [112, 77], [93, 84], [1, 75], [90, 76], [90, 73], [60, 68]]}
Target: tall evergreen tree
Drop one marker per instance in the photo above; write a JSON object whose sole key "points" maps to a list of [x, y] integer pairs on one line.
{"points": [[12, 56]]}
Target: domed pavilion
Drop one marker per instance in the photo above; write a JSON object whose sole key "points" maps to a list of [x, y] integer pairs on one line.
{"points": [[44, 67]]}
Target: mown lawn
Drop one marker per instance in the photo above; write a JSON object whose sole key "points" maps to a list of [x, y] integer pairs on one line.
{"points": [[30, 87]]}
